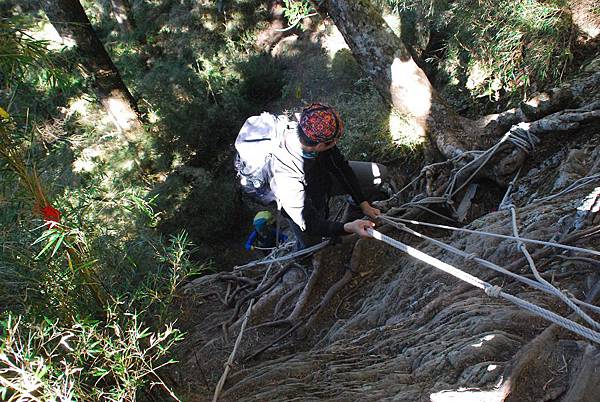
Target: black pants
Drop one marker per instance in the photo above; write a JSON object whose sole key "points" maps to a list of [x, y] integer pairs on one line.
{"points": [[370, 177]]}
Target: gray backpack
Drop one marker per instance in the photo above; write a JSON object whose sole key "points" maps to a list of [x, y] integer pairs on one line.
{"points": [[258, 138]]}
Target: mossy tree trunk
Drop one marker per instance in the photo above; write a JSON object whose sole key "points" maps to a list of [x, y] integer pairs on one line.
{"points": [[70, 21], [388, 62]]}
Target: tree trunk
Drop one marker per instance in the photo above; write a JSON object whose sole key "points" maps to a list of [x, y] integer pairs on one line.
{"points": [[386, 60], [123, 14], [70, 21]]}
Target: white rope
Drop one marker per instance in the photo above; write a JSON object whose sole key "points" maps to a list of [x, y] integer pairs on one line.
{"points": [[264, 248], [523, 239], [518, 135], [484, 263], [397, 195], [287, 257], [508, 196], [550, 288], [582, 182], [429, 259], [424, 208], [450, 191], [488, 288]]}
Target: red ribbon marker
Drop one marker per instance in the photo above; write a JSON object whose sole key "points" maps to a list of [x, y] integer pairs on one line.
{"points": [[51, 215]]}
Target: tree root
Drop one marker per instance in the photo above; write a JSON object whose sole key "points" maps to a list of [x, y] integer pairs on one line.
{"points": [[567, 96], [275, 323], [345, 299], [570, 239], [289, 331], [216, 294], [233, 295], [306, 292], [533, 366], [236, 278], [501, 169], [445, 182], [330, 294], [256, 293], [286, 297], [309, 318]]}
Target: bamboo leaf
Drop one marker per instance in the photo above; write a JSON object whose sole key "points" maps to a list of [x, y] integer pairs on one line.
{"points": [[51, 241], [58, 243]]}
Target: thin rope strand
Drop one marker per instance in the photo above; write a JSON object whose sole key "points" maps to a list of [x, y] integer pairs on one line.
{"points": [[238, 341], [552, 289], [290, 256], [523, 239], [486, 263]]}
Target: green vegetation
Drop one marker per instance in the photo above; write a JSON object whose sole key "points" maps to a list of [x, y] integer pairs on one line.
{"points": [[88, 360], [99, 231], [295, 11], [494, 50]]}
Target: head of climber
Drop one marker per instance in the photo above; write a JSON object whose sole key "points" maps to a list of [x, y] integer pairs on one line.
{"points": [[319, 128], [262, 222]]}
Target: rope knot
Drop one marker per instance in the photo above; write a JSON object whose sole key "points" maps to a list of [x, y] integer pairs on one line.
{"points": [[493, 291], [470, 257]]}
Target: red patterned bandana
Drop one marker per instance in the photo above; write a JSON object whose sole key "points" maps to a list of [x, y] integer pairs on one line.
{"points": [[321, 123]]}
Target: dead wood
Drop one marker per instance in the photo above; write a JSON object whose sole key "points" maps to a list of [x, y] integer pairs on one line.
{"points": [[570, 95]]}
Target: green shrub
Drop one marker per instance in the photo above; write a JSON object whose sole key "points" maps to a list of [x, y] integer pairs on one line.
{"points": [[114, 292], [261, 79], [87, 360], [513, 45]]}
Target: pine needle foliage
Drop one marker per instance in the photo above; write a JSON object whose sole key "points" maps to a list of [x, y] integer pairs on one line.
{"points": [[508, 46], [87, 360]]}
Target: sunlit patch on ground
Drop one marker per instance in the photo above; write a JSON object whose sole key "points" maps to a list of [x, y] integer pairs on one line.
{"points": [[586, 16], [47, 32], [86, 161], [403, 131], [333, 42], [469, 395], [121, 113], [394, 22], [483, 340], [80, 106]]}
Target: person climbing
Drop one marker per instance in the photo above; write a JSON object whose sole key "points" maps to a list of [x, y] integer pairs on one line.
{"points": [[264, 235], [308, 168]]}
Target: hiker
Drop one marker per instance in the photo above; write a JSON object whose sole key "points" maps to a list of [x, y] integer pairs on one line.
{"points": [[308, 168], [264, 235]]}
